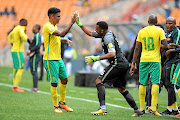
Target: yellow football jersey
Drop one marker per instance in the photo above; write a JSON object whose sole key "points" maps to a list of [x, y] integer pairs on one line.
{"points": [[18, 37], [52, 43], [150, 38]]}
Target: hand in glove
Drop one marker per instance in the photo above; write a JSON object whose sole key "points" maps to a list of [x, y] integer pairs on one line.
{"points": [[91, 59]]}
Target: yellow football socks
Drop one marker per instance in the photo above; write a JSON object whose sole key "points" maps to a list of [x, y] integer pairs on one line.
{"points": [[17, 76], [174, 105], [142, 94], [178, 90], [14, 75], [154, 93], [62, 92], [54, 96]]}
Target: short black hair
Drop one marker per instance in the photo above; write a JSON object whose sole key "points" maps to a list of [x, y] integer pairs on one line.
{"points": [[159, 25], [23, 20], [53, 10], [103, 25], [38, 26]]}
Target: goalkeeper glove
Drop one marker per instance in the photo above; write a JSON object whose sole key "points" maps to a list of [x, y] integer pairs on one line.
{"points": [[78, 22], [91, 59]]}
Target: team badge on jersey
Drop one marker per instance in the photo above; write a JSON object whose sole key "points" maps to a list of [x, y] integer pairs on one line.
{"points": [[50, 28], [22, 31], [110, 45], [53, 78]]}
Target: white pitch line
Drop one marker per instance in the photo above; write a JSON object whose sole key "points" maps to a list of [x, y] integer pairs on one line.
{"points": [[118, 99], [74, 98]]}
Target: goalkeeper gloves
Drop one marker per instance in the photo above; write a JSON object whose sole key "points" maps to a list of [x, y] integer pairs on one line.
{"points": [[78, 22], [91, 59]]}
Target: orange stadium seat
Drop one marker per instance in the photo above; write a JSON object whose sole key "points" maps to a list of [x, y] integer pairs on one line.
{"points": [[175, 13], [35, 11], [161, 19]]}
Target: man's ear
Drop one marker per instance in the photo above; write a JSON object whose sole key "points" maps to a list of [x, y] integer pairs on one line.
{"points": [[51, 16], [102, 31]]}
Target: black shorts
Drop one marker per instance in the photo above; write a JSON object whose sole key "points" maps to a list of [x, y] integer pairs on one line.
{"points": [[115, 75]]}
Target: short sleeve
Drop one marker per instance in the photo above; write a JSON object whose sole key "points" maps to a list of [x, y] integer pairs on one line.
{"points": [[94, 34], [162, 35], [109, 41], [50, 29], [23, 35], [139, 37]]}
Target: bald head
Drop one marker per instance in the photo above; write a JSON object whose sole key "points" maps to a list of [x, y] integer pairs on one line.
{"points": [[172, 19], [170, 23], [152, 19]]}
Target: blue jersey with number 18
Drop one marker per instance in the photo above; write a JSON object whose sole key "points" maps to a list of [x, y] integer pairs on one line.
{"points": [[150, 38]]}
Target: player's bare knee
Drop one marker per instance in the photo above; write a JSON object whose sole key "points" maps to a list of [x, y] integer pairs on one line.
{"points": [[54, 84], [64, 81], [177, 87], [156, 84], [140, 84], [98, 81], [121, 90]]}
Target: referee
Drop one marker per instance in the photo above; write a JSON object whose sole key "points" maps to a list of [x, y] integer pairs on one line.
{"points": [[34, 53]]}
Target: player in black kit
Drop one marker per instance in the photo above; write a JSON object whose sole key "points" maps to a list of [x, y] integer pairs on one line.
{"points": [[115, 73]]}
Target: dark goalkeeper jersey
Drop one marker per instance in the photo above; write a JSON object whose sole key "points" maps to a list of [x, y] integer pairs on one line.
{"points": [[110, 44]]}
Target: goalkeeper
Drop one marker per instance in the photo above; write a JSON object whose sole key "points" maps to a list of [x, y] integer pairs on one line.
{"points": [[115, 73]]}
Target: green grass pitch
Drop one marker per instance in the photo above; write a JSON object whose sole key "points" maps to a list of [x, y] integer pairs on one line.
{"points": [[39, 106]]}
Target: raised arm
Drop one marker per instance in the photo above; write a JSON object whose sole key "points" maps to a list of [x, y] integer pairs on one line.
{"points": [[78, 22], [87, 31], [66, 30]]}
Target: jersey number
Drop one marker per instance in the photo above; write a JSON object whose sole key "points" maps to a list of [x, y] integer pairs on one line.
{"points": [[148, 43]]}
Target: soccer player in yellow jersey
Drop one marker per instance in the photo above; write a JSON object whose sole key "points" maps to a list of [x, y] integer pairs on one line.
{"points": [[150, 38], [17, 37], [52, 57]]}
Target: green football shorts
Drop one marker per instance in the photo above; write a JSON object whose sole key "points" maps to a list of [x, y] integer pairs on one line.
{"points": [[55, 70], [18, 59], [149, 70], [176, 77]]}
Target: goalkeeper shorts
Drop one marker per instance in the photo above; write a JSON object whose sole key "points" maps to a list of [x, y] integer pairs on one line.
{"points": [[113, 74]]}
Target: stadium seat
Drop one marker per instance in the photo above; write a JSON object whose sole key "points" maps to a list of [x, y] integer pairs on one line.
{"points": [[35, 11]]}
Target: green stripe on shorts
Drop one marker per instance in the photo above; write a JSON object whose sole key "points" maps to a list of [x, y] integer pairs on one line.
{"points": [[34, 62], [55, 70], [18, 59], [176, 76]]}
